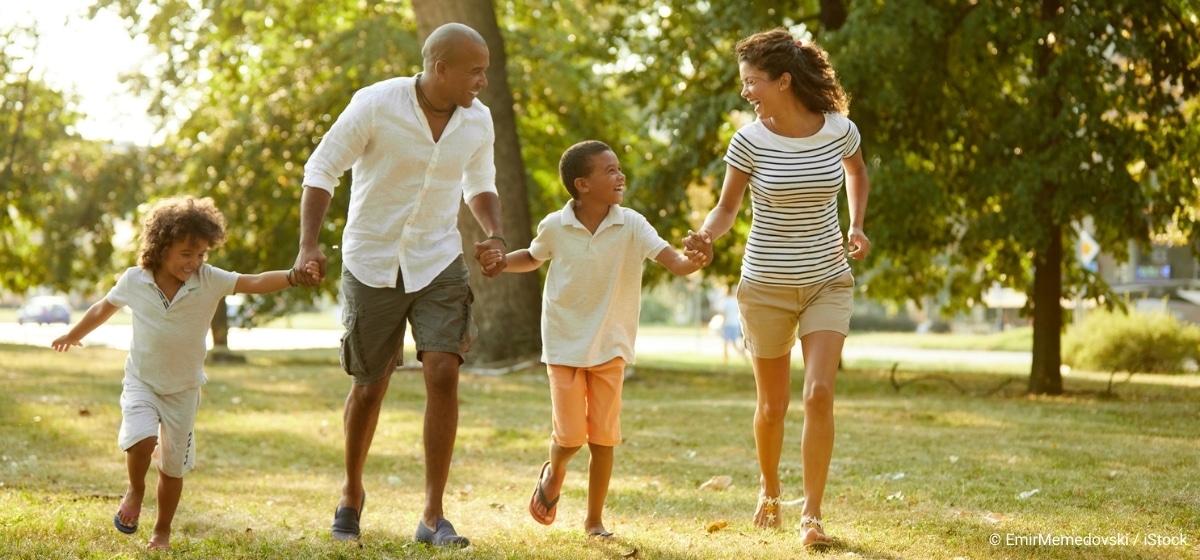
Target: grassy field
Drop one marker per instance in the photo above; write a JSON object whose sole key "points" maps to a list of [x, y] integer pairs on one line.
{"points": [[926, 471]]}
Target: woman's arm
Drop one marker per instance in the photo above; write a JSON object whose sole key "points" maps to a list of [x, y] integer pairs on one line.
{"points": [[857, 189]]}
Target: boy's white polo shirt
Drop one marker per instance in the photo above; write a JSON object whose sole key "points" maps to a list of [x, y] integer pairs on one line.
{"points": [[170, 341], [592, 298]]}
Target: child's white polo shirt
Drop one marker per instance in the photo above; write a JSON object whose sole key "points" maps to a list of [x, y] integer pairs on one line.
{"points": [[170, 338], [592, 298]]}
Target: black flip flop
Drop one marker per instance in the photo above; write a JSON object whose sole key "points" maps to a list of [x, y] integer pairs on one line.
{"points": [[345, 522], [539, 497]]}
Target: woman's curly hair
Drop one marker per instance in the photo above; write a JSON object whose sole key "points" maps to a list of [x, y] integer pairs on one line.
{"points": [[176, 219], [814, 82]]}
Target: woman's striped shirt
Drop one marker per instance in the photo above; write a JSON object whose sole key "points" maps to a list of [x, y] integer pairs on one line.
{"points": [[794, 238]]}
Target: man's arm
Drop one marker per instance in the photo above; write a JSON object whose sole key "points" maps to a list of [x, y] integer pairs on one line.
{"points": [[486, 209], [314, 202]]}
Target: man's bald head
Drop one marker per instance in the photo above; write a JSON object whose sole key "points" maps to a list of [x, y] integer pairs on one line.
{"points": [[446, 42]]}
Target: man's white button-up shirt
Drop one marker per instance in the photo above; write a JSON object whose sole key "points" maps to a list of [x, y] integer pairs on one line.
{"points": [[406, 188]]}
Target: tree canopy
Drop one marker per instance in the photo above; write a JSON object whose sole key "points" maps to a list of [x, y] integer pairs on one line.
{"points": [[992, 129]]}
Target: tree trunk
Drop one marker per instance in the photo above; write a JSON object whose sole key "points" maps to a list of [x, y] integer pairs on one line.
{"points": [[507, 308], [1045, 377], [833, 14], [219, 326]]}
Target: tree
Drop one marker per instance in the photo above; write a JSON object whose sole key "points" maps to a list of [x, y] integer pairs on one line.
{"points": [[257, 83], [994, 128], [680, 77], [508, 307], [62, 196]]}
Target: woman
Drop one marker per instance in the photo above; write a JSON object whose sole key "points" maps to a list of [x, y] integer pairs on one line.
{"points": [[796, 281]]}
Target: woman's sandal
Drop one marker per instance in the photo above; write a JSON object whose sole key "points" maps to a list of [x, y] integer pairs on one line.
{"points": [[822, 541], [771, 513]]}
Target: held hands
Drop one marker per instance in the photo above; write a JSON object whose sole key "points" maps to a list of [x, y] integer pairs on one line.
{"points": [[298, 276], [858, 243], [698, 247], [313, 271], [491, 256]]}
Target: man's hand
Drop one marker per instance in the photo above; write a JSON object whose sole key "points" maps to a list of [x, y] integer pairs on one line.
{"points": [[310, 267]]}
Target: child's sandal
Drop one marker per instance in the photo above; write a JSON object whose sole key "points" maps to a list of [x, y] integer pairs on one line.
{"points": [[822, 540]]}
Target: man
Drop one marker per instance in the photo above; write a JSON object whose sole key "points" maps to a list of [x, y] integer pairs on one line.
{"points": [[417, 145]]}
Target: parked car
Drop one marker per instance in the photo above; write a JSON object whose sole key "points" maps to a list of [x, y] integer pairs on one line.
{"points": [[45, 310]]}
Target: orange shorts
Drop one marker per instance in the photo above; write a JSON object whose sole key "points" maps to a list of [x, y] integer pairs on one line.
{"points": [[587, 403], [774, 316]]}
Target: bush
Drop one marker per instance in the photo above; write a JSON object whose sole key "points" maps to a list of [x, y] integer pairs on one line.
{"points": [[883, 323], [1131, 343]]}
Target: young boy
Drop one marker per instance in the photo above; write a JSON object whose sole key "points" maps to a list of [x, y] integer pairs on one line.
{"points": [[173, 295], [589, 318]]}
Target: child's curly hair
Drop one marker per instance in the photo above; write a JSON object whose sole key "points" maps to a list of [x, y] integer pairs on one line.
{"points": [[814, 82], [179, 218]]}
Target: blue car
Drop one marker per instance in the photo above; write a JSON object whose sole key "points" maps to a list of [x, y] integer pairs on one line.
{"points": [[44, 310]]}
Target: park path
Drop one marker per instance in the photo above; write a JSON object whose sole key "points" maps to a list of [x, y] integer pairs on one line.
{"points": [[702, 342]]}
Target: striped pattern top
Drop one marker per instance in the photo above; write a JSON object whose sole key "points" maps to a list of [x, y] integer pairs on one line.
{"points": [[794, 238]]}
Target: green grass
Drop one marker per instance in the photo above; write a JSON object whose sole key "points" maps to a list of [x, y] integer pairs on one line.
{"points": [[928, 471]]}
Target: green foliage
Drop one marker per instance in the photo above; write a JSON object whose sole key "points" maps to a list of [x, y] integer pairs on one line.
{"points": [[993, 128], [680, 81], [990, 123], [259, 83], [1109, 341], [63, 197]]}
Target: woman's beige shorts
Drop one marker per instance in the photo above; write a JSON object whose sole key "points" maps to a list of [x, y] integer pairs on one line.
{"points": [[774, 316]]}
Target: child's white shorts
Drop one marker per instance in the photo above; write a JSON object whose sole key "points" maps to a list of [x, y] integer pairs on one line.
{"points": [[171, 418]]}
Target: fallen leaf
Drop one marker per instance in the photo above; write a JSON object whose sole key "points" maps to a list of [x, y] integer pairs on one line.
{"points": [[631, 554], [83, 411], [718, 482], [717, 526], [497, 505], [995, 517], [1028, 494]]}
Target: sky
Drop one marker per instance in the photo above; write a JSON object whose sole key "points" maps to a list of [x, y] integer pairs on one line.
{"points": [[85, 57]]}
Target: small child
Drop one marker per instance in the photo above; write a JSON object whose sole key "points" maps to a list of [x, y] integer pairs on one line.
{"points": [[589, 317], [173, 295]]}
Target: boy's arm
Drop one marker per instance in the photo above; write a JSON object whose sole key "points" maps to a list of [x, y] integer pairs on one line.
{"points": [[674, 261], [521, 261], [273, 281], [96, 315]]}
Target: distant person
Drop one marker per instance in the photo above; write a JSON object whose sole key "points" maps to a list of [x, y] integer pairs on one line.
{"points": [[796, 280], [731, 326], [418, 147], [173, 295], [589, 318]]}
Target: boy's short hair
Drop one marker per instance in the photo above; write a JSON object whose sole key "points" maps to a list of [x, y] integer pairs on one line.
{"points": [[576, 162], [178, 218]]}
